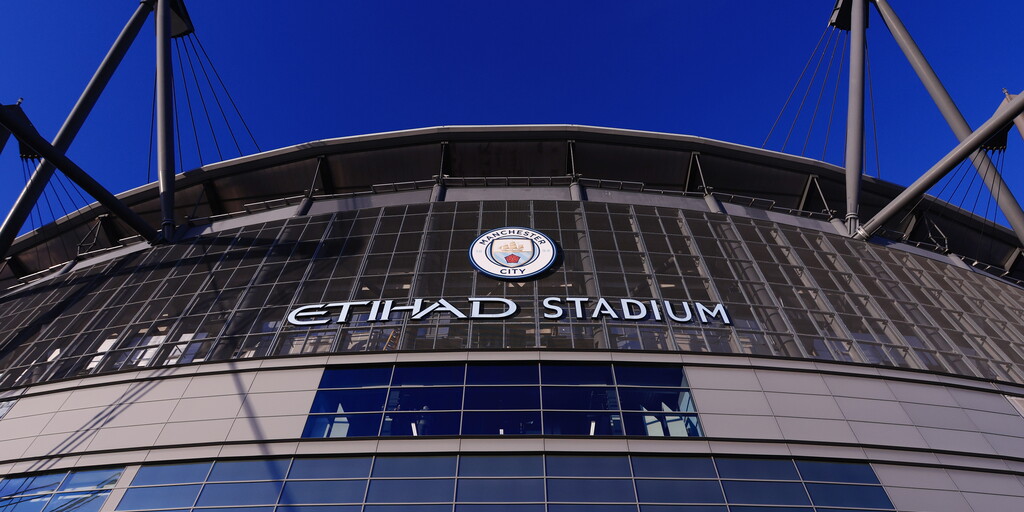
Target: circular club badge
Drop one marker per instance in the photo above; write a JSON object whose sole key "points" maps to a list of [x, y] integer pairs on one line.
{"points": [[512, 253]]}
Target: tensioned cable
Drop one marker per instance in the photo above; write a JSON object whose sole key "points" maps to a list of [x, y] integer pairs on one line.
{"points": [[202, 99], [835, 95], [188, 100], [970, 186], [945, 183], [60, 181], [26, 172], [152, 131], [796, 85], [807, 91], [180, 164], [224, 87], [871, 101], [821, 92]]}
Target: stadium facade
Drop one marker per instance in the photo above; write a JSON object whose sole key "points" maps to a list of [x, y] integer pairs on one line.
{"points": [[318, 337]]}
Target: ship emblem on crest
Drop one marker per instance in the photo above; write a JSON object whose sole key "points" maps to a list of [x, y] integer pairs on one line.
{"points": [[512, 253]]}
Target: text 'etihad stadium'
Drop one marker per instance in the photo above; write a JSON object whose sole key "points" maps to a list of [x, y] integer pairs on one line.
{"points": [[495, 308]]}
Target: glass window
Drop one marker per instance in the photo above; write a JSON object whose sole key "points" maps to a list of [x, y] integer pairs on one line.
{"points": [[679, 491], [576, 374], [499, 508], [836, 472], [424, 399], [335, 467], [662, 425], [483, 374], [501, 465], [159, 497], [503, 398], [591, 508], [407, 508], [420, 424], [35, 484], [656, 399], [582, 424], [442, 375], [766, 469], [602, 490], [360, 377], [317, 508], [678, 467], [265, 469], [766, 493], [498, 490], [74, 502], [172, 474], [649, 375], [98, 479], [428, 465], [326, 491], [411, 491], [23, 504], [501, 423], [683, 508], [588, 465], [349, 400], [837, 495], [254, 493], [580, 398], [351, 425]]}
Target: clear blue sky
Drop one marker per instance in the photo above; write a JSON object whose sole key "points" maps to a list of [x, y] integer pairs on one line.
{"points": [[301, 71]]}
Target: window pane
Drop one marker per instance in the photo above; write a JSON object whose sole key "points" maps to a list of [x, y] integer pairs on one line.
{"points": [[836, 472], [511, 423], [266, 469], [649, 375], [835, 495], [338, 467], [501, 465], [172, 474], [318, 508], [159, 497], [569, 489], [23, 504], [76, 502], [414, 466], [446, 375], [555, 373], [348, 425], [99, 479], [349, 400], [420, 424], [665, 400], [364, 376], [31, 484], [588, 465], [499, 490], [682, 508], [766, 469], [525, 373], [582, 424], [679, 467], [766, 493], [679, 491], [499, 508], [423, 399], [503, 398], [411, 491], [257, 493], [327, 491], [407, 508], [662, 425], [590, 398], [591, 508]]}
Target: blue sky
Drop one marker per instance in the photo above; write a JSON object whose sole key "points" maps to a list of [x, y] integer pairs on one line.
{"points": [[308, 70]]}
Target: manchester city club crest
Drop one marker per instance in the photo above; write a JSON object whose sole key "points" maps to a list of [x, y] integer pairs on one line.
{"points": [[512, 253]]}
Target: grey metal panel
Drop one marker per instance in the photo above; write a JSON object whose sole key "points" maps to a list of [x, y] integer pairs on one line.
{"points": [[1004, 424], [506, 193], [286, 380], [993, 502], [956, 440], [258, 429], [888, 435], [277, 404], [196, 409], [792, 382], [969, 399], [740, 426], [910, 476], [822, 430], [922, 393], [199, 431], [214, 385], [938, 416], [369, 201], [992, 483], [857, 387], [722, 378], [804, 406], [927, 500], [731, 402], [879, 411]]}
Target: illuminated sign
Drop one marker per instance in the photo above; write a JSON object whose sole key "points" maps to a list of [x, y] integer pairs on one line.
{"points": [[512, 253], [496, 308]]}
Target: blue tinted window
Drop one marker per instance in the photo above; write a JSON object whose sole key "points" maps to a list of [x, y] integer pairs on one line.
{"points": [[501, 465], [265, 469], [76, 502], [420, 424], [446, 375], [27, 504], [588, 465], [591, 508], [766, 469], [98, 479], [836, 472], [580, 398], [31, 484], [679, 491], [734, 508], [766, 493], [346, 425], [411, 491], [319, 508], [336, 467], [511, 423], [407, 508], [159, 497], [326, 491], [678, 467], [582, 424], [587, 491], [429, 465], [363, 376], [499, 490], [499, 508], [254, 493], [482, 374], [649, 375], [577, 374], [836, 495], [662, 400], [662, 425], [503, 398], [349, 400], [172, 474], [424, 399], [682, 508]]}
